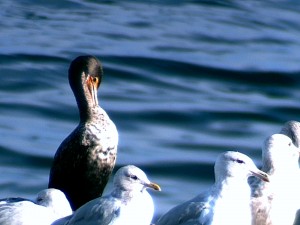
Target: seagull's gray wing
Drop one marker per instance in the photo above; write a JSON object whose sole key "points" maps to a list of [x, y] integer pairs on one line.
{"points": [[13, 199], [62, 221], [98, 211], [11, 211], [25, 212], [192, 212]]}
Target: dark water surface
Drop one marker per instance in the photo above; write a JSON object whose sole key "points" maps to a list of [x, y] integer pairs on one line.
{"points": [[184, 81]]}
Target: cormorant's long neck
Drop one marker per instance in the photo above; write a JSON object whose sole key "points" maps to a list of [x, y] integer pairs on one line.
{"points": [[87, 113], [86, 98]]}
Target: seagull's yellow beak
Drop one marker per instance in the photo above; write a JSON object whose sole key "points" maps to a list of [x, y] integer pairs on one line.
{"points": [[262, 175], [154, 186]]}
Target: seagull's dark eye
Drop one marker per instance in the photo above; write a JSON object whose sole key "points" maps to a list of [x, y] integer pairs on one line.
{"points": [[134, 177], [240, 161]]}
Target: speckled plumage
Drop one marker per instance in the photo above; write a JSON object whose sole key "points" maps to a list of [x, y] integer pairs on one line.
{"points": [[85, 159], [276, 202]]}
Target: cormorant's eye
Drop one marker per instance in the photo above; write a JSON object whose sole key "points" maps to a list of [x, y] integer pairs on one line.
{"points": [[95, 79]]}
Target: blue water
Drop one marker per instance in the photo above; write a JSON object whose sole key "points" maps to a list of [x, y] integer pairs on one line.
{"points": [[184, 81]]}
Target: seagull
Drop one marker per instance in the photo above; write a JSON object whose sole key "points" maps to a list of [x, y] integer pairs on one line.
{"points": [[292, 130], [128, 203], [226, 202], [85, 159], [277, 202], [55, 200], [49, 205]]}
